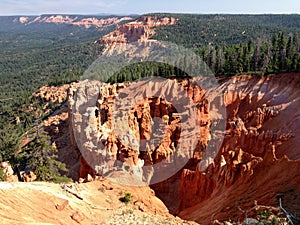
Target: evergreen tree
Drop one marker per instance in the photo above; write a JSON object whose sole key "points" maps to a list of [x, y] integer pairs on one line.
{"points": [[256, 55], [41, 158], [266, 58], [282, 51], [10, 143]]}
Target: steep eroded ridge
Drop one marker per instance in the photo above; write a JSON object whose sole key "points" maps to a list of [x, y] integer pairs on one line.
{"points": [[138, 30], [257, 160], [259, 157]]}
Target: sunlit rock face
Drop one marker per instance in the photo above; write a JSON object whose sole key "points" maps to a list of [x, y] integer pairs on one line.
{"points": [[147, 127], [138, 30], [257, 159]]}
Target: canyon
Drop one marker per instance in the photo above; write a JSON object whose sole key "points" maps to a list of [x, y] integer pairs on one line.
{"points": [[244, 157], [208, 155], [257, 161], [256, 164]]}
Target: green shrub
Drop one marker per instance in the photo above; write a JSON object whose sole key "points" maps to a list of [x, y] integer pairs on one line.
{"points": [[126, 198], [2, 175], [128, 211]]}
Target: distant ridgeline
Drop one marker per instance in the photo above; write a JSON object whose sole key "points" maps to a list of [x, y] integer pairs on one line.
{"points": [[281, 53], [47, 49]]}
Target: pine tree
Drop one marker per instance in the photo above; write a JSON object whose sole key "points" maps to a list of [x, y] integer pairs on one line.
{"points": [[256, 55], [10, 143], [246, 58], [239, 59], [282, 51], [42, 159], [275, 51], [266, 58]]}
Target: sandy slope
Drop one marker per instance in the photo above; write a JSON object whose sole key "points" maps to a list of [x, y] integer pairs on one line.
{"points": [[42, 203]]}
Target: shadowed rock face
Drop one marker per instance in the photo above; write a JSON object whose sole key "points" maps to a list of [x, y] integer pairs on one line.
{"points": [[258, 158]]}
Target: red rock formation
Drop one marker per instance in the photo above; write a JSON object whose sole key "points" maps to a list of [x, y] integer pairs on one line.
{"points": [[29, 177], [57, 126], [85, 169], [8, 171], [141, 29], [258, 158], [153, 129], [52, 93]]}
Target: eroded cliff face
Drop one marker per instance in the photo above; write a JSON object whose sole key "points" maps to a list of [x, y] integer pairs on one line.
{"points": [[113, 131], [259, 157], [257, 160], [139, 30]]}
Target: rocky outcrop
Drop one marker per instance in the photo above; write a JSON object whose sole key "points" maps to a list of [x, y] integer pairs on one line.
{"points": [[48, 203], [57, 126], [139, 30], [8, 172], [7, 169], [52, 93], [142, 133], [29, 177]]}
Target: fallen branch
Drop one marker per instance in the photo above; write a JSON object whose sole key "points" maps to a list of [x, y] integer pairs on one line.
{"points": [[69, 190], [289, 216]]}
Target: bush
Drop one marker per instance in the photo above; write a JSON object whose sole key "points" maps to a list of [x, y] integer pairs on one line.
{"points": [[127, 198], [2, 175]]}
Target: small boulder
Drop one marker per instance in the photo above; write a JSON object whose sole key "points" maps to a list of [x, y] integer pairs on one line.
{"points": [[81, 180], [7, 169], [251, 221], [62, 206], [29, 177], [89, 178], [12, 178], [78, 217]]}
